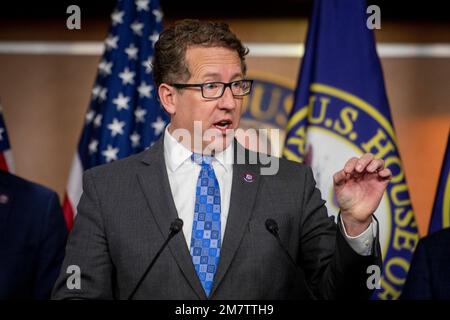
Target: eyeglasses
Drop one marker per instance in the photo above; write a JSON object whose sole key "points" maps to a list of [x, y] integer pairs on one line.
{"points": [[214, 90]]}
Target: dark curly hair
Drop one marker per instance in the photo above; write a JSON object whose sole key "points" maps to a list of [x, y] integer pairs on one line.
{"points": [[169, 63]]}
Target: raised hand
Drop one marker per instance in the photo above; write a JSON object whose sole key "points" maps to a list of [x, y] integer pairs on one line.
{"points": [[359, 188]]}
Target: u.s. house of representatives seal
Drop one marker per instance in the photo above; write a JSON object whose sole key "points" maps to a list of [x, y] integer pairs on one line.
{"points": [[335, 126]]}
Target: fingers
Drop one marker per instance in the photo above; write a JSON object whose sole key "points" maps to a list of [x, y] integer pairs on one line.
{"points": [[359, 164], [385, 173], [363, 162], [350, 165], [375, 165], [368, 163], [339, 177]]}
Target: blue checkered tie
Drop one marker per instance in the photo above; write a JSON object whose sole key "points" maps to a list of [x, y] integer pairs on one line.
{"points": [[205, 240]]}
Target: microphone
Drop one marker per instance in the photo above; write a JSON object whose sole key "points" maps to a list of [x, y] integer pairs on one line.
{"points": [[175, 227], [272, 227]]}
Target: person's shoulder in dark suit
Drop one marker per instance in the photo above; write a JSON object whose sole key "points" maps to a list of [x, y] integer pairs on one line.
{"points": [[429, 274], [33, 236]]}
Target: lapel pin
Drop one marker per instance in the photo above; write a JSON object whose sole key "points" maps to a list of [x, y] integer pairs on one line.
{"points": [[3, 199], [248, 177]]}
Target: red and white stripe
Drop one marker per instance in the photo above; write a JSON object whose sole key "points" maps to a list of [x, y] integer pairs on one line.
{"points": [[74, 191], [6, 161]]}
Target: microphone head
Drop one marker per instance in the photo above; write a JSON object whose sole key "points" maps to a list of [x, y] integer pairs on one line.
{"points": [[176, 225], [272, 226]]}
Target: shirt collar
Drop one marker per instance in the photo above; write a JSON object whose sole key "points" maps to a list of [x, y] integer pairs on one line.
{"points": [[225, 158], [176, 154]]}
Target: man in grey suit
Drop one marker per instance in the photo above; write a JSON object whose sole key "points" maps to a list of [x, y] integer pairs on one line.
{"points": [[246, 235]]}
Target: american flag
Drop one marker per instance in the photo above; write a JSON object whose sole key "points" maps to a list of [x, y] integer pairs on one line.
{"points": [[124, 116], [6, 159]]}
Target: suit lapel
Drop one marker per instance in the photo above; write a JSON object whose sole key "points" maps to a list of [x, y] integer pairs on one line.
{"points": [[163, 208], [246, 180]]}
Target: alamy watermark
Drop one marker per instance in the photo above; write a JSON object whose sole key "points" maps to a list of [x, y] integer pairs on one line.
{"points": [[374, 279], [74, 280], [74, 20], [213, 141], [374, 20]]}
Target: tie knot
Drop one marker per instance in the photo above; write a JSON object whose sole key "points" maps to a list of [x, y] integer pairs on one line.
{"points": [[201, 159]]}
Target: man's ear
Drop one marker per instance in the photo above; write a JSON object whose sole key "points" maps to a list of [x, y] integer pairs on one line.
{"points": [[167, 95]]}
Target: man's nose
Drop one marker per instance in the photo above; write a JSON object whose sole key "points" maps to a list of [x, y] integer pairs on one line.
{"points": [[227, 101]]}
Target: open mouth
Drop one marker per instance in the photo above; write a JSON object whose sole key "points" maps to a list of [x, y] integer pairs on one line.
{"points": [[223, 125]]}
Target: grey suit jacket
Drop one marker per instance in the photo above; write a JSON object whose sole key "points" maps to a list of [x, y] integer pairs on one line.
{"points": [[124, 217]]}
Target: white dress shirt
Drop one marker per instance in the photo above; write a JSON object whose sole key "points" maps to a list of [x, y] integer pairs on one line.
{"points": [[183, 174]]}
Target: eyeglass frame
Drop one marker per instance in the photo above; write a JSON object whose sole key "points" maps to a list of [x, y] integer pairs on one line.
{"points": [[225, 85]]}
